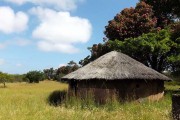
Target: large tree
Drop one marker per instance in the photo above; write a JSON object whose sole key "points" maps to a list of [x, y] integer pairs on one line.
{"points": [[131, 22], [156, 49], [136, 32], [166, 11], [159, 50]]}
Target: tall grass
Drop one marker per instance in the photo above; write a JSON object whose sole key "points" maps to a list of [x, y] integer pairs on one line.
{"points": [[22, 101]]}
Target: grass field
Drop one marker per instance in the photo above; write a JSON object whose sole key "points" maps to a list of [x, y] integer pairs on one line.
{"points": [[22, 101]]}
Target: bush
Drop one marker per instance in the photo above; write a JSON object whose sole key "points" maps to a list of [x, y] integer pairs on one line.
{"points": [[57, 97], [34, 76]]}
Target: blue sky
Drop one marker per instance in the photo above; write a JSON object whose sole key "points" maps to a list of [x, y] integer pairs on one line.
{"points": [[39, 34]]}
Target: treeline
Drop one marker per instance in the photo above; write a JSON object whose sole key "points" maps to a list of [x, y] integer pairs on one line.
{"points": [[51, 73], [56, 74], [35, 76]]}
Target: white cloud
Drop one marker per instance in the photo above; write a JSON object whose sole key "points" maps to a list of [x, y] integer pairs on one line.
{"points": [[2, 61], [58, 31], [11, 21], [53, 47], [19, 2], [22, 42], [19, 65], [58, 4]]}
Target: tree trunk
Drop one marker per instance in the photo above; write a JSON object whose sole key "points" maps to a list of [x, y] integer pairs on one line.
{"points": [[4, 84], [154, 63], [160, 65]]}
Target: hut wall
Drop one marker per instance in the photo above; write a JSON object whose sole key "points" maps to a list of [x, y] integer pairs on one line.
{"points": [[124, 90]]}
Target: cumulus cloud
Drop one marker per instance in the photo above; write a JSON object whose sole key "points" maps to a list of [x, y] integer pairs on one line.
{"points": [[59, 31], [11, 21], [58, 4], [2, 61]]}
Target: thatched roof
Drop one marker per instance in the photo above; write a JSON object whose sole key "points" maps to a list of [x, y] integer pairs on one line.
{"points": [[115, 66]]}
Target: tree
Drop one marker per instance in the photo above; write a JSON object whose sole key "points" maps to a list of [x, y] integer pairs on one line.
{"points": [[96, 50], [64, 70], [49, 73], [3, 78], [34, 76], [131, 22], [175, 59], [136, 32], [156, 49], [166, 11]]}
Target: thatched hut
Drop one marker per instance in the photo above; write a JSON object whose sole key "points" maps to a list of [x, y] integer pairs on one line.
{"points": [[116, 74]]}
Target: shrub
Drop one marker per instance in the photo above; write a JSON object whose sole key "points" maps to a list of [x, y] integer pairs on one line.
{"points": [[34, 76]]}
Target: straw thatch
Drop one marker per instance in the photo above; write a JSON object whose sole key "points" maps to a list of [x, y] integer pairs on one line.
{"points": [[115, 66]]}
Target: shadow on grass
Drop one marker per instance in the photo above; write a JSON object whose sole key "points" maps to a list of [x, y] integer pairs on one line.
{"points": [[171, 92], [57, 97], [3, 86]]}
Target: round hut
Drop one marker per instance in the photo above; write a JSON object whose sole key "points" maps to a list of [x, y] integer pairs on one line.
{"points": [[116, 74]]}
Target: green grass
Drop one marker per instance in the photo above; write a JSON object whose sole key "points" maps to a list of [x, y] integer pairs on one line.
{"points": [[22, 101]]}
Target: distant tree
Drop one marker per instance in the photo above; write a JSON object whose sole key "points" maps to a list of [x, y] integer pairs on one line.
{"points": [[96, 50], [15, 78], [131, 22], [34, 76], [64, 70], [3, 78], [49, 73]]}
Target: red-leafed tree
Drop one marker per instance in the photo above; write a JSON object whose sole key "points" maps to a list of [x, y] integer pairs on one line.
{"points": [[166, 11], [131, 22], [141, 33]]}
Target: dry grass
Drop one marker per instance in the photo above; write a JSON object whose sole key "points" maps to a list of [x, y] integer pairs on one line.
{"points": [[22, 101]]}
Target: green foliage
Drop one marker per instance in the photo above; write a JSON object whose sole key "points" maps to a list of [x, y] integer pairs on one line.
{"points": [[56, 74], [49, 73], [154, 49], [4, 77], [131, 22], [96, 51], [16, 78], [138, 32], [34, 76], [70, 67]]}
